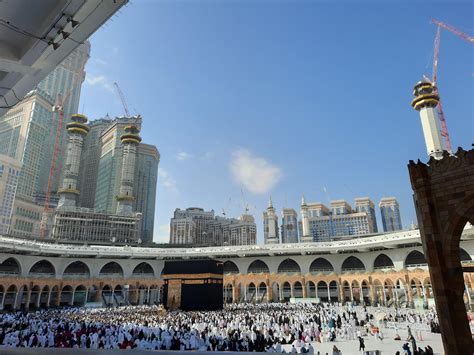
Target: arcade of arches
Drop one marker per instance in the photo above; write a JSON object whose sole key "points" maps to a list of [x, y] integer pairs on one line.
{"points": [[410, 286]]}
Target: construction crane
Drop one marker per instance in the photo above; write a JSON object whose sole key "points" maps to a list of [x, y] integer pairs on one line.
{"points": [[453, 30], [434, 77], [59, 108], [122, 98]]}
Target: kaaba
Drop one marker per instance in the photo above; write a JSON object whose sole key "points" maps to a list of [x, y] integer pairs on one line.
{"points": [[193, 285]]}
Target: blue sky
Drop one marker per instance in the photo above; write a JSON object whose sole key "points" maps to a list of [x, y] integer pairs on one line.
{"points": [[251, 99]]}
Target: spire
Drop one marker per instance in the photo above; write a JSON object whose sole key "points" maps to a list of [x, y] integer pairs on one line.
{"points": [[303, 201], [270, 203]]}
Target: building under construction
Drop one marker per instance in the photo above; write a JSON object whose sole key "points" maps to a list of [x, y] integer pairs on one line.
{"points": [[84, 224]]}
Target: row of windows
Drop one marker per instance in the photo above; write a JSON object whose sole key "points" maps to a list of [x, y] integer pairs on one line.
{"points": [[23, 226], [27, 213]]}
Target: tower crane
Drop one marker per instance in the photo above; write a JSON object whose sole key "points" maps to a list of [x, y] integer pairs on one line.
{"points": [[122, 98], [442, 119], [59, 108]]}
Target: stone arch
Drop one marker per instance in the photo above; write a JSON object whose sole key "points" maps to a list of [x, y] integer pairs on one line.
{"points": [[389, 297], [228, 293], [444, 200], [356, 291], [289, 266], [298, 290], [401, 292], [276, 292], [382, 261], [10, 297], [346, 291], [322, 292], [77, 269], [44, 297], [378, 292], [258, 267], [320, 265], [286, 291], [251, 292], [231, 268], [414, 259], [365, 292], [42, 268], [352, 263], [80, 295], [54, 296], [67, 294], [112, 270], [261, 291], [334, 291], [35, 296], [311, 289], [428, 288], [93, 294], [107, 293], [143, 270], [10, 266]]}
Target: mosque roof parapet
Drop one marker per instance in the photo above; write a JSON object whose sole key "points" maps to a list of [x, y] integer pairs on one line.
{"points": [[386, 240]]}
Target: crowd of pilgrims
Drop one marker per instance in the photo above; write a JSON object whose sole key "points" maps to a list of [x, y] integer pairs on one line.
{"points": [[238, 327]]}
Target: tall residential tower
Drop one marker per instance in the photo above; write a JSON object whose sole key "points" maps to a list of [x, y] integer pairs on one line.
{"points": [[390, 211]]}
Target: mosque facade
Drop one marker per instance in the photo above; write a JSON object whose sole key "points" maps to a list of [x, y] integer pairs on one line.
{"points": [[387, 269]]}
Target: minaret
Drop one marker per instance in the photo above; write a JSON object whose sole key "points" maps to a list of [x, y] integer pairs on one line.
{"points": [[272, 222], [76, 130], [130, 140], [306, 237], [425, 101]]}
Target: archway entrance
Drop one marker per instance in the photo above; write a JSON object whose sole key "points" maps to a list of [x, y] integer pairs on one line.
{"points": [[444, 200]]}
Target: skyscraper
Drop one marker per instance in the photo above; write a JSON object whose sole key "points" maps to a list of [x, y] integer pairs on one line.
{"points": [[90, 162], [9, 172], [270, 225], [146, 175], [289, 226], [25, 135], [66, 80], [365, 204], [110, 163], [390, 211]]}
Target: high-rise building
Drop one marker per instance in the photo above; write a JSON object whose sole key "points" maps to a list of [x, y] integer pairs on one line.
{"points": [[194, 226], [223, 231], [365, 204], [90, 162], [289, 226], [340, 220], [9, 173], [270, 225], [26, 136], [66, 80], [110, 163], [390, 211], [146, 176], [26, 218], [75, 223], [101, 164], [189, 226]]}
